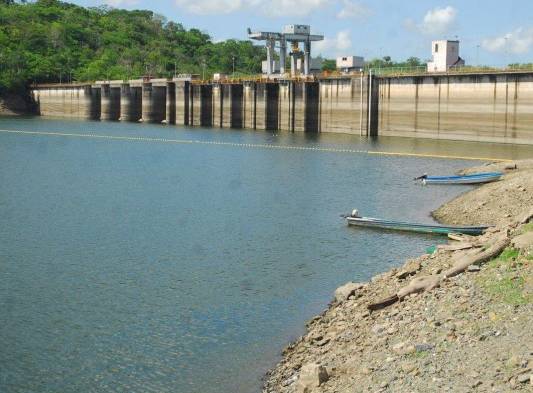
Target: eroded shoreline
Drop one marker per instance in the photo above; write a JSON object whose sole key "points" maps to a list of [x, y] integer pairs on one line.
{"points": [[471, 332]]}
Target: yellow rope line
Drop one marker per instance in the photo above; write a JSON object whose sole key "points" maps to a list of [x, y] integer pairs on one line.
{"points": [[249, 145]]}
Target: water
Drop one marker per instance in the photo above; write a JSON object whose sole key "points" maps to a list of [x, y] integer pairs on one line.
{"points": [[154, 265]]}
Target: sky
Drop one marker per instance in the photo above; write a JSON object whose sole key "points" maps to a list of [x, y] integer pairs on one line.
{"points": [[491, 32]]}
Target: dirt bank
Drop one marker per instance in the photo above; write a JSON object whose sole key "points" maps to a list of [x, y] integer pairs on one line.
{"points": [[463, 322]]}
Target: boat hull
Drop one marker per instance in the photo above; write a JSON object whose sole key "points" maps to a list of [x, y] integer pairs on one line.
{"points": [[476, 178], [369, 222]]}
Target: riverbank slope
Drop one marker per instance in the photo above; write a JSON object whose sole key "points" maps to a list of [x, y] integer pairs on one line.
{"points": [[463, 322]]}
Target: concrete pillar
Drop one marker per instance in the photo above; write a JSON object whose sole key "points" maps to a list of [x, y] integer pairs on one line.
{"points": [[110, 102], [282, 55], [153, 102], [267, 105], [307, 57], [130, 102], [236, 105], [285, 105], [312, 103], [373, 105], [202, 105], [171, 103], [182, 102], [249, 100], [93, 104], [218, 105], [270, 55]]}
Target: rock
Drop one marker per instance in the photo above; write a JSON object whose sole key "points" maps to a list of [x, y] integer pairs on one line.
{"points": [[473, 268], [523, 378], [377, 329], [345, 291], [311, 375], [424, 347], [524, 241], [408, 367], [476, 383], [409, 269]]}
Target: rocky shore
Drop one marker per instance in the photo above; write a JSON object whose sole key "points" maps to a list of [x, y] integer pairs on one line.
{"points": [[457, 320]]}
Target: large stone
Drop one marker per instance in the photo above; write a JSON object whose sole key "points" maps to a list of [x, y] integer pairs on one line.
{"points": [[345, 291], [312, 375], [524, 241]]}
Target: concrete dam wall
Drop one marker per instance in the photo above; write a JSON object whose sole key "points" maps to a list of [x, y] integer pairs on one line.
{"points": [[492, 108], [480, 107]]}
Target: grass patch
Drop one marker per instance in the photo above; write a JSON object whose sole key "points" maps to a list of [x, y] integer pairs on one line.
{"points": [[509, 290], [526, 228], [504, 282]]}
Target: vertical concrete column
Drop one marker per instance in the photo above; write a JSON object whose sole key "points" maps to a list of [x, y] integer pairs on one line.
{"points": [[182, 102], [202, 105], [298, 106], [171, 103], [270, 43], [307, 57], [267, 106], [226, 105], [284, 107], [206, 105], [130, 101], [236, 105], [195, 105], [272, 106], [110, 102], [282, 55], [93, 100], [311, 104], [260, 106], [220, 105], [249, 105], [373, 105], [153, 101]]}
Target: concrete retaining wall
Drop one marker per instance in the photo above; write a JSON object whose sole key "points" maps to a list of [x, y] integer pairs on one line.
{"points": [[481, 107], [492, 108], [76, 101]]}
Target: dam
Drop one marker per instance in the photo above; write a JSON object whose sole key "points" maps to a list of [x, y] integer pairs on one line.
{"points": [[484, 107]]}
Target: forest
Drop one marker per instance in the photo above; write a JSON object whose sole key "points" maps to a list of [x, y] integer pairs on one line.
{"points": [[54, 41]]}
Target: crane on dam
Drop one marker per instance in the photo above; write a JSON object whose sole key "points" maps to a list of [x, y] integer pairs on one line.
{"points": [[292, 35]]}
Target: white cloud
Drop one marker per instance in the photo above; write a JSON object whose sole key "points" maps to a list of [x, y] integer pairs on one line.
{"points": [[353, 9], [519, 41], [121, 3], [339, 45], [205, 7], [436, 21], [293, 7], [273, 8]]}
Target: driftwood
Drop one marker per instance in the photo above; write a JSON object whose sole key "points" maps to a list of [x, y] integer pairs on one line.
{"points": [[462, 261], [457, 247], [460, 237]]}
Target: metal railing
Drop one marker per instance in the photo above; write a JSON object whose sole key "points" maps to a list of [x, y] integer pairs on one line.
{"points": [[463, 69]]}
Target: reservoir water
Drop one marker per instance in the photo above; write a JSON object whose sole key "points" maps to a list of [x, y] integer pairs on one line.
{"points": [[146, 258]]}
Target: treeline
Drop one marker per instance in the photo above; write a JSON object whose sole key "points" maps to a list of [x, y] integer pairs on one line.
{"points": [[54, 41]]}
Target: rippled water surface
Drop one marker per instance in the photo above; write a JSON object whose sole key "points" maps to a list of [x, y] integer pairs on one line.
{"points": [[168, 259]]}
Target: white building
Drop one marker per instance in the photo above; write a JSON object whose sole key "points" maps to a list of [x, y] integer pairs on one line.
{"points": [[350, 63], [445, 55]]}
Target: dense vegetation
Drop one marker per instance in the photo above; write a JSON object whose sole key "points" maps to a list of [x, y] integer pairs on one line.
{"points": [[53, 41]]}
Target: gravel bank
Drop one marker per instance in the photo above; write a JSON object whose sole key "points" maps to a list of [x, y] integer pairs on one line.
{"points": [[471, 332]]}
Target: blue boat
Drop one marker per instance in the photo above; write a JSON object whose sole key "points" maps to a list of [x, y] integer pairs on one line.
{"points": [[377, 223], [476, 178]]}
